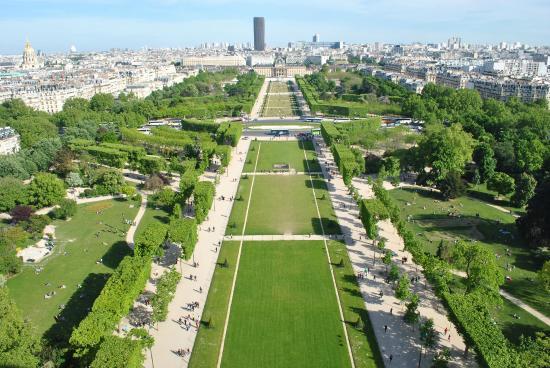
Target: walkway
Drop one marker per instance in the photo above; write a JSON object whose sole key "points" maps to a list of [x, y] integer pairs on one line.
{"points": [[281, 237], [137, 220], [401, 340], [283, 173], [170, 336], [257, 108]]}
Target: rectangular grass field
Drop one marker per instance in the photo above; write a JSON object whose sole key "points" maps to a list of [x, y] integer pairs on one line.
{"points": [[282, 205], [284, 311], [290, 153]]}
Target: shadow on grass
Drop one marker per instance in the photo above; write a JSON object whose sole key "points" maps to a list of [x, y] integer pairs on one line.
{"points": [[75, 310], [425, 193], [513, 331], [487, 197], [115, 253], [330, 226]]}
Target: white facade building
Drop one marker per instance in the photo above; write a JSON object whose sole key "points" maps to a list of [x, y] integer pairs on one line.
{"points": [[9, 141]]}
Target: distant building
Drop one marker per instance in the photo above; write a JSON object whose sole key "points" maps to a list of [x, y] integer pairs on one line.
{"points": [[9, 141], [214, 60], [30, 61], [280, 69], [316, 45], [316, 38], [259, 33]]}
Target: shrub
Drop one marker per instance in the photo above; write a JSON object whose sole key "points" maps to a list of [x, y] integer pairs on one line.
{"points": [[67, 208]]}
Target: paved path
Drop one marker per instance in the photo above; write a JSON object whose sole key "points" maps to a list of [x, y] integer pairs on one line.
{"points": [[283, 173], [137, 220], [170, 336], [400, 340], [535, 313], [257, 108], [281, 237]]}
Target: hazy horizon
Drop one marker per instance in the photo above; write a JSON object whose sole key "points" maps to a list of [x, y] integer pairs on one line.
{"points": [[97, 25]]}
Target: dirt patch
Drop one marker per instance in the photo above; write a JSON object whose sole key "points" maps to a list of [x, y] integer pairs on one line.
{"points": [[100, 206]]}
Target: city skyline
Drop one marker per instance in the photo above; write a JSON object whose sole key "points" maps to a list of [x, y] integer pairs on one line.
{"points": [[95, 25]]}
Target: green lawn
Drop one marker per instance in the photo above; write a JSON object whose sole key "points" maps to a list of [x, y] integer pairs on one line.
{"points": [[284, 311], [208, 341], [74, 262], [290, 153], [282, 205], [492, 228], [363, 341], [152, 215]]}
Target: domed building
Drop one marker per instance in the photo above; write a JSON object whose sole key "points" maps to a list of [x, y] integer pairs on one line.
{"points": [[30, 61]]}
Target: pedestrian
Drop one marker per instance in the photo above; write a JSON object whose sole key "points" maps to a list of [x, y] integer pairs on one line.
{"points": [[385, 328], [391, 358], [446, 329], [391, 311], [449, 337], [216, 250], [200, 289]]}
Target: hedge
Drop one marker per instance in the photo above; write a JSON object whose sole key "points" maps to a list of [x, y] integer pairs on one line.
{"points": [[108, 156], [184, 233], [149, 165], [165, 144], [470, 315], [80, 144], [114, 302], [134, 153], [371, 211], [229, 133], [149, 241], [117, 352], [224, 153], [199, 125], [330, 133], [203, 197], [347, 164]]}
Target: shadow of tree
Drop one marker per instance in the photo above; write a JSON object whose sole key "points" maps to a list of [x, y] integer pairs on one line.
{"points": [[115, 254], [75, 310]]}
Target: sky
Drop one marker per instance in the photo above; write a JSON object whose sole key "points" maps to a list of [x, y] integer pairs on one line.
{"points": [[96, 25]]}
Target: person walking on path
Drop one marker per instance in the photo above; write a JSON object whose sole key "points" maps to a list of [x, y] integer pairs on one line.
{"points": [[391, 311], [385, 328], [391, 358]]}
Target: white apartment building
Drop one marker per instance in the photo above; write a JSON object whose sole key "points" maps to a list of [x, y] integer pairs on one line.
{"points": [[450, 79], [9, 141], [504, 89]]}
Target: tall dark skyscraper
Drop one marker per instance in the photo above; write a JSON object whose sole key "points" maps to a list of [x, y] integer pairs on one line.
{"points": [[259, 33]]}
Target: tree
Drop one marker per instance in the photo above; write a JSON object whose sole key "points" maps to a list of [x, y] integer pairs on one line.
{"points": [[73, 180], [387, 260], [165, 197], [452, 186], [11, 238], [534, 226], [128, 190], [484, 158], [19, 348], [445, 251], [525, 190], [46, 189], [530, 154], [442, 358], [501, 183], [446, 149], [102, 102], [544, 276], [428, 336], [108, 181], [149, 241], [154, 182], [176, 211], [393, 168], [21, 213], [402, 289], [482, 272], [67, 208], [534, 351], [394, 273], [411, 315], [12, 193]]}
